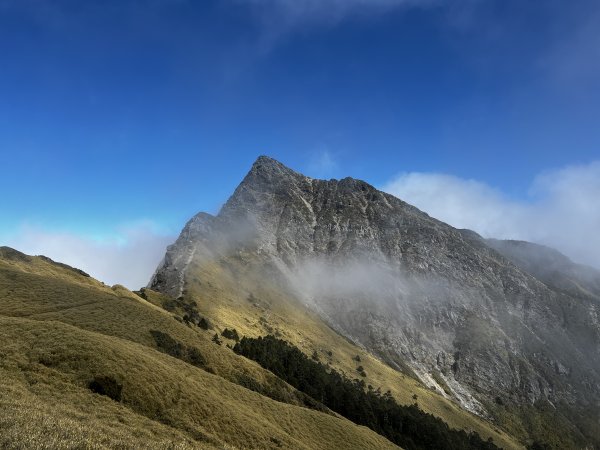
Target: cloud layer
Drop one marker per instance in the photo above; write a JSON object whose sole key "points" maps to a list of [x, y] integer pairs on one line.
{"points": [[129, 258], [280, 17], [562, 209]]}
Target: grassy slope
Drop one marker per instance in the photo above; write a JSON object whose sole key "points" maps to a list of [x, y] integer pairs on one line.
{"points": [[59, 329], [232, 296]]}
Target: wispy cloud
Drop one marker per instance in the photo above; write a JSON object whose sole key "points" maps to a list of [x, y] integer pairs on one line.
{"points": [[562, 209], [129, 257], [322, 164], [328, 10], [280, 17], [573, 62]]}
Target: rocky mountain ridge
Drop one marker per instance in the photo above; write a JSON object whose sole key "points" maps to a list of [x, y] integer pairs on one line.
{"points": [[467, 316]]}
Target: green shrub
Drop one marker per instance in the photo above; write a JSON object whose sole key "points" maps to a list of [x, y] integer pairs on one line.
{"points": [[231, 334], [203, 323], [539, 446], [407, 426], [166, 344], [107, 386]]}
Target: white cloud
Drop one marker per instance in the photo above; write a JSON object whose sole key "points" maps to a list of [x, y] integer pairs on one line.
{"points": [[128, 258], [562, 209]]}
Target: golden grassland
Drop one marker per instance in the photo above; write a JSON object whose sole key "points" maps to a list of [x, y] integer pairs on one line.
{"points": [[32, 418], [233, 295], [60, 329], [117, 313]]}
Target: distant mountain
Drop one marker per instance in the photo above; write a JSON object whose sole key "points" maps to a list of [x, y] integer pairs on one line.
{"points": [[510, 331], [551, 267]]}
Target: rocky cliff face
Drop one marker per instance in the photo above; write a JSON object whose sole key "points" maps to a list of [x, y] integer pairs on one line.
{"points": [[475, 319]]}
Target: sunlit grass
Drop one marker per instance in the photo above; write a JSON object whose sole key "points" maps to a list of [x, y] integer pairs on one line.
{"points": [[57, 335]]}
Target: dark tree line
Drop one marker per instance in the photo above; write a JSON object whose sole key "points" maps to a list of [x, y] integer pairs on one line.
{"points": [[166, 344], [231, 334], [406, 426]]}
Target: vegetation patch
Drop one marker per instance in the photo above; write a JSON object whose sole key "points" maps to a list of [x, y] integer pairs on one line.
{"points": [[204, 324], [231, 334], [406, 426], [216, 339], [173, 347], [186, 309], [107, 386]]}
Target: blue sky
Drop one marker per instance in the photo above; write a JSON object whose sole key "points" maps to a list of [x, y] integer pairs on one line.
{"points": [[121, 119]]}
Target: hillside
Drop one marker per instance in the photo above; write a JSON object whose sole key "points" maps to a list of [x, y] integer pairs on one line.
{"points": [[65, 338], [234, 293]]}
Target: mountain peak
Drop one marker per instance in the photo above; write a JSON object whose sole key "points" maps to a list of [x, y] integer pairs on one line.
{"points": [[265, 175], [270, 168], [266, 160]]}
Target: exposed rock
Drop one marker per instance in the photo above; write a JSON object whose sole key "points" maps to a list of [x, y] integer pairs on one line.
{"points": [[490, 321]]}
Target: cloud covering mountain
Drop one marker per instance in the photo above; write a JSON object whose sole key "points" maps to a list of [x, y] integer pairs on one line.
{"points": [[561, 209]]}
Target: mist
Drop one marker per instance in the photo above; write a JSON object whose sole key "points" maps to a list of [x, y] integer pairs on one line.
{"points": [[384, 288]]}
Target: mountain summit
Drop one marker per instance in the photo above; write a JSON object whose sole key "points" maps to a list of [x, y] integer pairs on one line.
{"points": [[461, 314]]}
